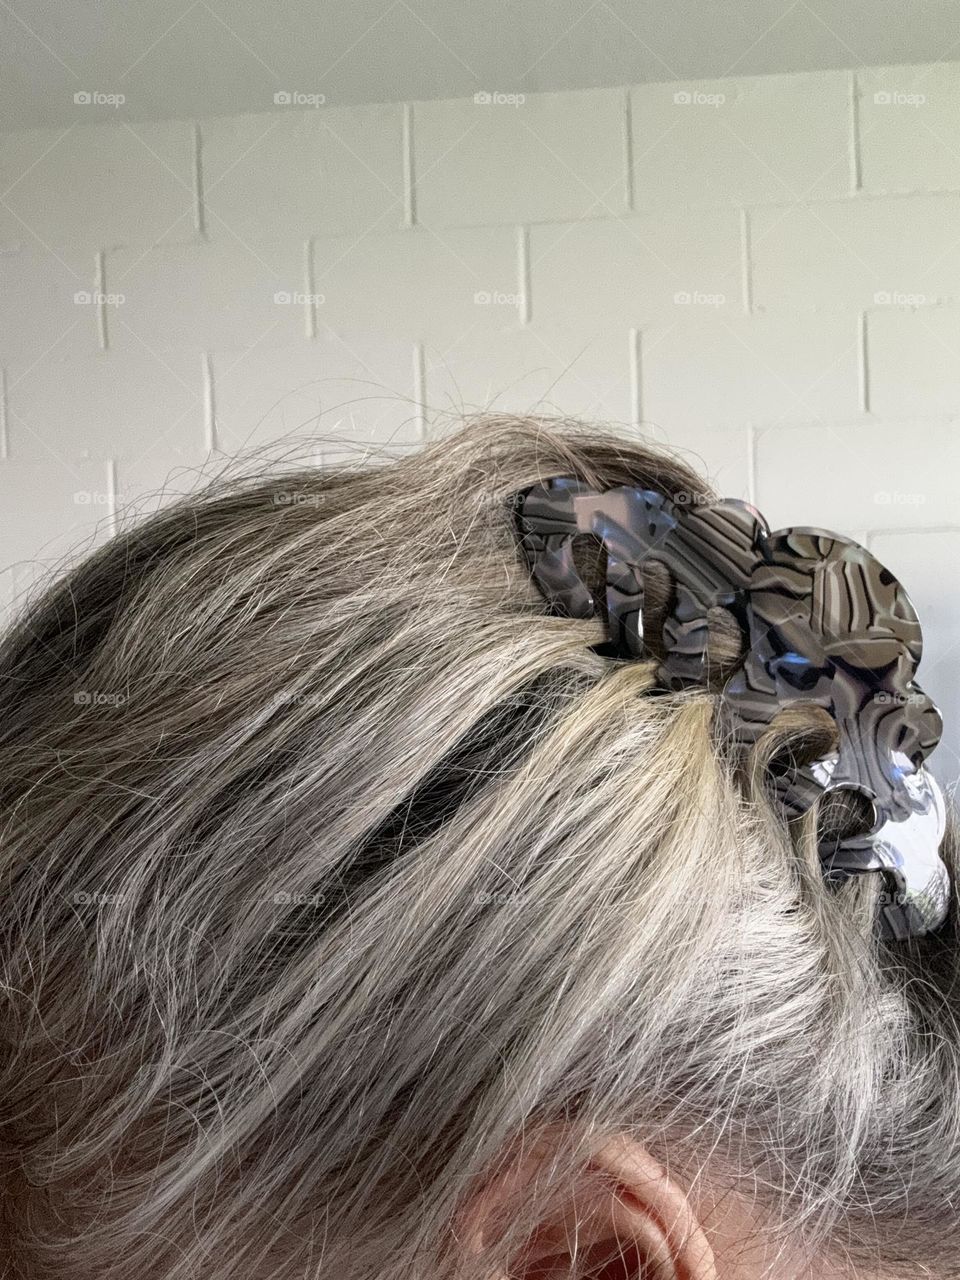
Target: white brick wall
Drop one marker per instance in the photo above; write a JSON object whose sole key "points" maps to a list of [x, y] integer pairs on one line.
{"points": [[99, 185], [763, 272], [303, 173], [559, 155]]}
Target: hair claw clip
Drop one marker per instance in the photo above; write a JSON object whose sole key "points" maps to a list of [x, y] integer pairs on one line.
{"points": [[823, 623]]}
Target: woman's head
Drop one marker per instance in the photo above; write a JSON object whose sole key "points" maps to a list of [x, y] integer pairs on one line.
{"points": [[360, 921]]}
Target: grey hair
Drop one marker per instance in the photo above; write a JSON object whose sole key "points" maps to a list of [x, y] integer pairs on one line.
{"points": [[333, 867]]}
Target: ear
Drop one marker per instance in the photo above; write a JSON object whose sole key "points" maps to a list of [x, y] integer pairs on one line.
{"points": [[624, 1219]]}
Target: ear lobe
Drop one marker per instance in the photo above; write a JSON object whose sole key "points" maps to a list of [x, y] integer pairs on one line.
{"points": [[623, 1219]]}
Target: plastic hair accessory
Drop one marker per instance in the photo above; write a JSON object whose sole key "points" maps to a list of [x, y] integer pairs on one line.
{"points": [[822, 623]]}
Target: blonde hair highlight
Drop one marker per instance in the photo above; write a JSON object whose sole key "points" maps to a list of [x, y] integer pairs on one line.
{"points": [[352, 867]]}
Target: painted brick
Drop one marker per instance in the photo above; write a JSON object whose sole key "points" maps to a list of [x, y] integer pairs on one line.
{"points": [[150, 480], [98, 185], [353, 443], [914, 362], [541, 370], [552, 156], [919, 559], [706, 371], [60, 511], [742, 141], [857, 254], [860, 476], [19, 584], [420, 283], [207, 295], [302, 173], [340, 389], [709, 377], [720, 454], [9, 596], [634, 270], [111, 405], [46, 312], [908, 127]]}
